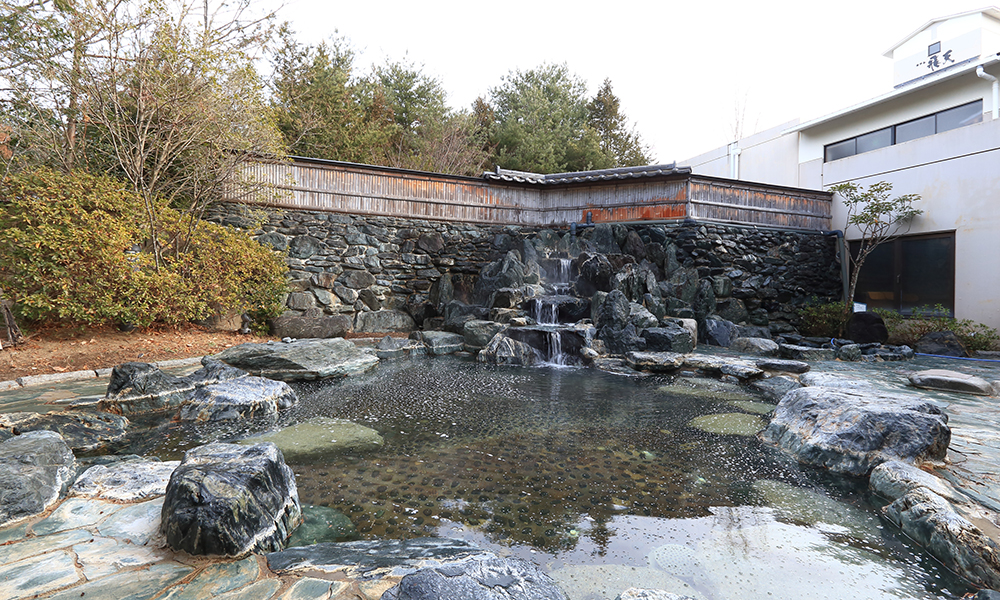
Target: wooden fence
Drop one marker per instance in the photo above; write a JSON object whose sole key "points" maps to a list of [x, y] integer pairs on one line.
{"points": [[367, 190]]}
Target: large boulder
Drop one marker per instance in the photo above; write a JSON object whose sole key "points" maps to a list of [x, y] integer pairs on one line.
{"points": [[301, 327], [35, 467], [480, 577], [941, 343], [230, 499], [867, 327], [717, 331], [241, 398], [503, 350], [138, 388], [301, 360], [439, 343], [478, 333], [614, 325], [385, 320], [853, 431], [670, 337], [82, 431], [508, 272], [595, 274]]}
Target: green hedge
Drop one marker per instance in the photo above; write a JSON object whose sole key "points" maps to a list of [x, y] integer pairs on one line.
{"points": [[64, 255]]}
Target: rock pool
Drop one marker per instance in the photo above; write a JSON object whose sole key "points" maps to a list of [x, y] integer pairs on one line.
{"points": [[605, 481]]}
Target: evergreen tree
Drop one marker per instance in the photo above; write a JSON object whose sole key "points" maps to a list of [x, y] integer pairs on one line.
{"points": [[618, 141]]}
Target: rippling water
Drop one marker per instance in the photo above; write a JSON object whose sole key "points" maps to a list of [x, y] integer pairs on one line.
{"points": [[601, 479]]}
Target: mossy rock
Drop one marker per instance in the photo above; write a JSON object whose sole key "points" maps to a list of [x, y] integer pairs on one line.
{"points": [[757, 408], [320, 437], [729, 424]]}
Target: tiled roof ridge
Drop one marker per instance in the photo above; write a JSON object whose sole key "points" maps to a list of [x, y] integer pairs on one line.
{"points": [[582, 176]]}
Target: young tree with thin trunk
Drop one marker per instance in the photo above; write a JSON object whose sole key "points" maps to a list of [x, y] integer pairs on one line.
{"points": [[877, 217]]}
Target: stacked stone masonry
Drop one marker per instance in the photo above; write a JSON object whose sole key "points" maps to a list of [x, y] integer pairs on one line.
{"points": [[351, 265]]}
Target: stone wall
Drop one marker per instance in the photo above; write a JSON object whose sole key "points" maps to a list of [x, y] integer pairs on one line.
{"points": [[385, 274]]}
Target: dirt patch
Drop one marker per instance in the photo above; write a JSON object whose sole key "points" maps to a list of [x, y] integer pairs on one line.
{"points": [[62, 349]]}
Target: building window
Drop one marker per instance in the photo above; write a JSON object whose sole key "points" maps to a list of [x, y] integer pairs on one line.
{"points": [[910, 272], [945, 120]]}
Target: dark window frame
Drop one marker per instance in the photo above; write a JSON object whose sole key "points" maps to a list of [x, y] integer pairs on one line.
{"points": [[898, 256], [934, 115]]}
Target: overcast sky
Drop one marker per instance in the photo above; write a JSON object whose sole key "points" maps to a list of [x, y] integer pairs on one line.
{"points": [[681, 69]]}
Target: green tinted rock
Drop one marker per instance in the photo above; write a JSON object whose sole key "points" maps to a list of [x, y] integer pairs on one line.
{"points": [[136, 523], [320, 437], [759, 408], [322, 524], [75, 512], [216, 579], [262, 590], [27, 548], [132, 585], [728, 424], [33, 576]]}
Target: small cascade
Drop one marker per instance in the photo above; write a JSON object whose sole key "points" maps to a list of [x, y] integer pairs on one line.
{"points": [[562, 282], [545, 312], [556, 356]]}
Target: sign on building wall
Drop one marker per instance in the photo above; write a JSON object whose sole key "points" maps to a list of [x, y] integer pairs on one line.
{"points": [[937, 57]]}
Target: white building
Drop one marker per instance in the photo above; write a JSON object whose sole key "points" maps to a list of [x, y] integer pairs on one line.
{"points": [[935, 134]]}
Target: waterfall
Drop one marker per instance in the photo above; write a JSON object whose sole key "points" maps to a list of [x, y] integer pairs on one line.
{"points": [[545, 313], [556, 356]]}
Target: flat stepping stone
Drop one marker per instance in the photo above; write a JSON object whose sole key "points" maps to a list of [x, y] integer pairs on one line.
{"points": [[783, 365], [760, 346], [440, 343], [656, 362], [736, 367], [951, 381], [795, 352], [125, 481]]}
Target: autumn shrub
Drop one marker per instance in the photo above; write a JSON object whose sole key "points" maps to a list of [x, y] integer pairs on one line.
{"points": [[923, 320], [70, 250], [823, 319]]}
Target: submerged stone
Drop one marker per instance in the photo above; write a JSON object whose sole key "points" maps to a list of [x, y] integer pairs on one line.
{"points": [[34, 469], [853, 431], [322, 524], [230, 499], [802, 505], [729, 424], [301, 360], [607, 581], [482, 577], [319, 438]]}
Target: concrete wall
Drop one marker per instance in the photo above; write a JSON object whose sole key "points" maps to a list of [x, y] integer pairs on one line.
{"points": [[957, 176], [765, 157], [956, 173]]}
